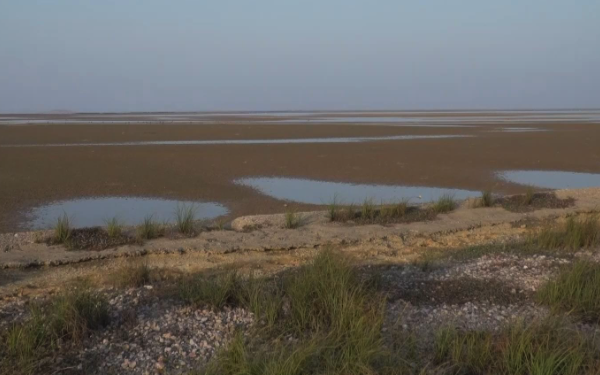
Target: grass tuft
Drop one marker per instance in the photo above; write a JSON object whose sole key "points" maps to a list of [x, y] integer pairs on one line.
{"points": [[149, 229], [576, 234], [229, 289], [542, 348], [292, 220], [65, 317], [369, 213], [185, 216], [216, 291], [576, 290], [397, 210], [467, 352], [133, 275], [62, 229], [333, 209], [445, 203], [336, 319], [528, 197], [487, 199], [114, 228], [368, 210]]}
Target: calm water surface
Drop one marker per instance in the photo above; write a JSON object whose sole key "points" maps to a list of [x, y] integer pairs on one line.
{"points": [[322, 192], [90, 212]]}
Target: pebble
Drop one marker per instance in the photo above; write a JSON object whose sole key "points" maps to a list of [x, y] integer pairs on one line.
{"points": [[168, 337], [164, 338]]}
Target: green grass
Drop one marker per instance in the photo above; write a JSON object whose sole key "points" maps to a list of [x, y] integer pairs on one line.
{"points": [[238, 358], [185, 216], [445, 203], [468, 352], [114, 228], [334, 317], [62, 229], [133, 275], [487, 199], [528, 197], [149, 229], [264, 299], [333, 209], [214, 291], [547, 347], [368, 211], [65, 317], [576, 234], [394, 211], [292, 220], [326, 294], [229, 289], [576, 290], [348, 213]]}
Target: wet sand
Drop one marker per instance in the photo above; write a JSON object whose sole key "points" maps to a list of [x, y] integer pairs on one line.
{"points": [[35, 175]]}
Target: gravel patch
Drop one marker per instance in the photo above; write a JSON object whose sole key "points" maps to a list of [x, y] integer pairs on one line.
{"points": [[147, 335], [521, 272], [159, 335], [469, 316]]}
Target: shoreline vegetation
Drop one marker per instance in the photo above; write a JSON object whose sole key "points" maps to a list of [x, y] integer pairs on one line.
{"points": [[510, 298], [115, 234]]}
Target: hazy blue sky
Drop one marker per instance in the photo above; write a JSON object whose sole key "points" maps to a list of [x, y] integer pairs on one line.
{"points": [[143, 55]]}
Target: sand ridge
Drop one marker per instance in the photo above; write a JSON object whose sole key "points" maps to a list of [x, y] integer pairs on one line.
{"points": [[267, 233]]}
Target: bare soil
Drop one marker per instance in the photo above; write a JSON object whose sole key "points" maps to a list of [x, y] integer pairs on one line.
{"points": [[33, 176], [516, 203]]}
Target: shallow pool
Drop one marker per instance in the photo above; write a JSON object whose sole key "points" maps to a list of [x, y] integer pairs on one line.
{"points": [[90, 212], [244, 141], [552, 179], [323, 192]]}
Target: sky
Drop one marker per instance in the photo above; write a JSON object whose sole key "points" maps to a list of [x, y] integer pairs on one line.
{"points": [[199, 55]]}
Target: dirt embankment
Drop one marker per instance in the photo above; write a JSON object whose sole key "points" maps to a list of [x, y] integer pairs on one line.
{"points": [[266, 234]]}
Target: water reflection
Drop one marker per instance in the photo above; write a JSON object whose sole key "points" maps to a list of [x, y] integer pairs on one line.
{"points": [[552, 179], [322, 192], [245, 141], [89, 212]]}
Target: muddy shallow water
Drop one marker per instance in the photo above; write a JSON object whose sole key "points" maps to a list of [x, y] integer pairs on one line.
{"points": [[242, 141], [552, 179], [34, 176], [326, 192], [97, 211]]}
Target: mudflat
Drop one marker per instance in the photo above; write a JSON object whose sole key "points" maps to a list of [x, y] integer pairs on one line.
{"points": [[31, 173]]}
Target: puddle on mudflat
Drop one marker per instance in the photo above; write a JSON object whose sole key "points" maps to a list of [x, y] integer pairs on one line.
{"points": [[246, 141], [422, 118], [90, 212], [375, 120], [442, 121], [520, 130], [323, 192], [552, 179]]}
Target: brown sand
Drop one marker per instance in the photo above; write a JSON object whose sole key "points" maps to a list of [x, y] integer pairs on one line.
{"points": [[30, 176]]}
